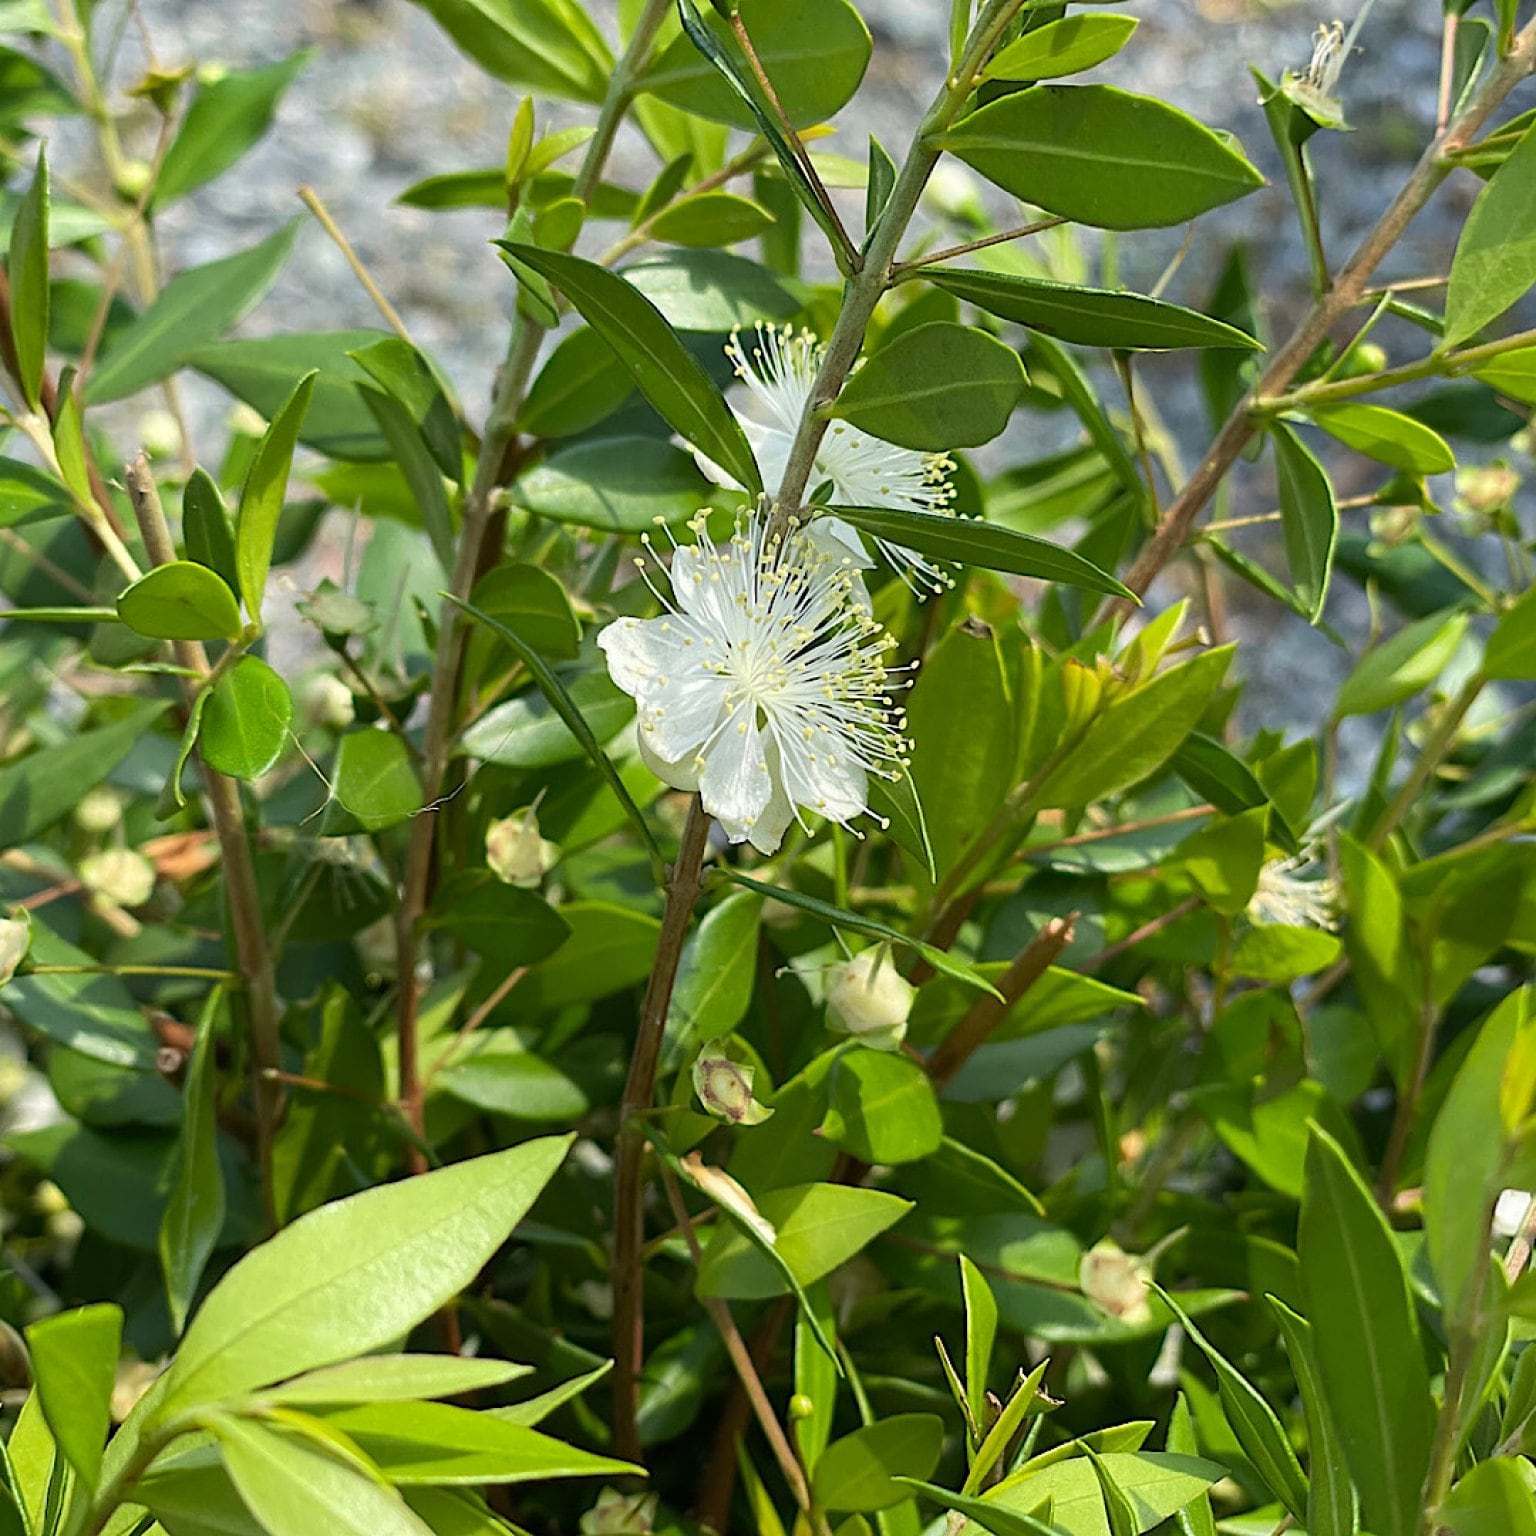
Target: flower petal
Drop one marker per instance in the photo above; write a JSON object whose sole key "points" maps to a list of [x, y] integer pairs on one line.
{"points": [[735, 783], [681, 774]]}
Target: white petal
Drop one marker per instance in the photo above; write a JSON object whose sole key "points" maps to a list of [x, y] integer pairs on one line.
{"points": [[678, 715], [777, 814], [821, 775], [639, 650], [770, 447], [679, 775], [735, 784], [839, 540]]}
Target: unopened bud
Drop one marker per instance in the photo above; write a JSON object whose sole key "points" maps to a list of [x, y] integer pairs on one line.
{"points": [[1487, 488], [724, 1086], [620, 1514], [15, 935], [159, 434], [120, 875], [325, 700], [516, 852], [131, 180], [869, 1000], [246, 421], [99, 810], [1116, 1282], [800, 1406]]}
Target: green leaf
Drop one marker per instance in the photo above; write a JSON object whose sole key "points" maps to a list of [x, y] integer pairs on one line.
{"points": [[1387, 436], [27, 495], [993, 548], [227, 117], [882, 1108], [74, 1362], [410, 380], [939, 959], [1154, 1484], [535, 1410], [436, 1443], [262, 495], [193, 309], [980, 1335], [27, 268], [1279, 952], [1224, 859], [1216, 773], [496, 1072], [1495, 260], [1063, 47], [291, 1305], [296, 1485], [375, 778], [423, 478], [194, 1214], [206, 529], [1308, 518], [617, 484], [180, 601], [710, 219], [1493, 1499], [1402, 665], [1117, 1507], [936, 387], [665, 372], [1330, 1494], [812, 83], [1362, 1315], [988, 1514], [610, 948], [718, 972], [246, 720], [532, 730], [579, 385], [861, 1470], [905, 824], [1089, 317], [43, 787], [818, 1227], [711, 291], [1101, 156], [486, 915], [575, 721], [1511, 649], [1252, 1420], [546, 46], [534, 605]]}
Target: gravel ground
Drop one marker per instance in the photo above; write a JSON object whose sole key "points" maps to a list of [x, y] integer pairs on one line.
{"points": [[387, 100]]}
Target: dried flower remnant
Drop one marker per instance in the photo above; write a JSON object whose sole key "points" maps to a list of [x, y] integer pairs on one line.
{"points": [[724, 1086]]}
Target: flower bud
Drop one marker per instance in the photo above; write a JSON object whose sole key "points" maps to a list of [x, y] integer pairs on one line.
{"points": [[516, 852], [1486, 488], [801, 1407], [724, 1086], [869, 1000], [15, 935], [620, 1514], [246, 421], [120, 875], [99, 810], [1116, 1282], [159, 435], [325, 700], [131, 179]]}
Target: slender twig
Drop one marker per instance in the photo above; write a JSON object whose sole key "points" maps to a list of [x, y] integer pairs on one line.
{"points": [[1174, 526], [1147, 930], [475, 1020], [903, 270], [203, 972], [311, 200], [253, 956], [1451, 25], [1433, 754], [987, 1012]]}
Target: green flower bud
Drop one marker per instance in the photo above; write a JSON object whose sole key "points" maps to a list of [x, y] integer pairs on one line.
{"points": [[120, 875], [516, 852]]}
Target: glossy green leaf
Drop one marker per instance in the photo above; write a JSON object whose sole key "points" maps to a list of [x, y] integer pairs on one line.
{"points": [[438, 1443], [532, 603], [535, 1410], [617, 484], [718, 972], [610, 948], [579, 385], [194, 1214], [410, 380], [181, 601], [1494, 1499], [496, 1072], [28, 495], [987, 1514], [937, 387], [1331, 1509], [1402, 665], [812, 83], [297, 1484], [1511, 649], [226, 118], [711, 219], [290, 1305], [263, 494], [1368, 1349], [423, 478], [196, 307], [1155, 1485], [882, 1108], [711, 291], [206, 528], [1495, 260], [1090, 317], [489, 917], [860, 1471], [993, 548], [74, 1363], [1101, 156], [375, 778], [664, 371], [27, 269], [1064, 47], [246, 720], [1309, 518], [547, 46], [818, 1227], [1388, 437]]}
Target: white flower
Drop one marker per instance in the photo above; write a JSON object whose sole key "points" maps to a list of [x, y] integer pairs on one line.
{"points": [[1315, 89], [763, 686], [870, 999], [1281, 897], [780, 375], [1510, 1212]]}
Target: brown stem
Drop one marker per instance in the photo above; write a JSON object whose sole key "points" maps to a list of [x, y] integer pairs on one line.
{"points": [[1139, 935], [1409, 1098], [629, 1160], [1348, 286], [252, 955], [905, 269], [987, 1012]]}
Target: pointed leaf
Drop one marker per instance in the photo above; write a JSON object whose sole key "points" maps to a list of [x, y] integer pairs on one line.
{"points": [[262, 495]]}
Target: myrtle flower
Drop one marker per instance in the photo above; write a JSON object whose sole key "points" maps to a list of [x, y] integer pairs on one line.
{"points": [[779, 373], [1315, 89], [763, 685], [871, 1000], [1283, 897]]}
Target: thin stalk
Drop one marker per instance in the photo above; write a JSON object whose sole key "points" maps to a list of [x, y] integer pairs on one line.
{"points": [[204, 972], [311, 200], [1348, 286], [1435, 750], [252, 954], [903, 270]]}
